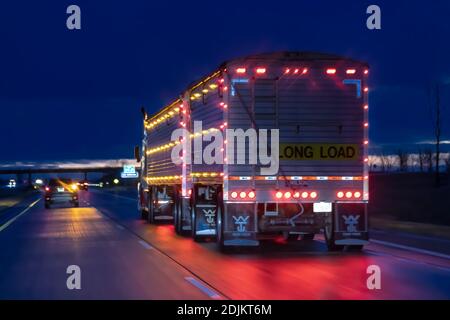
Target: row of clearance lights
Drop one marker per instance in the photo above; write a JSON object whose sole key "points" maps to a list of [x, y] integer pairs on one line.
{"points": [[163, 178], [206, 174], [295, 71], [296, 195], [331, 71], [243, 195], [172, 144], [204, 91], [166, 116], [348, 195]]}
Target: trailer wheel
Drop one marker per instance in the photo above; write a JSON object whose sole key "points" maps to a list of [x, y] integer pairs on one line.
{"points": [[220, 240], [329, 234], [356, 247], [290, 236], [140, 206], [307, 236], [176, 214], [151, 209]]}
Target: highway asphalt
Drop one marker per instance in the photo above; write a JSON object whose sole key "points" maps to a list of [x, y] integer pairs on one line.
{"points": [[123, 257]]}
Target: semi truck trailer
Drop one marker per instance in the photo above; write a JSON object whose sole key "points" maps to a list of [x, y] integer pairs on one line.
{"points": [[265, 146]]}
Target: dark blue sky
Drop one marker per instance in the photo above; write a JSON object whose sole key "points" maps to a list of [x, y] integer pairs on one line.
{"points": [[76, 94]]}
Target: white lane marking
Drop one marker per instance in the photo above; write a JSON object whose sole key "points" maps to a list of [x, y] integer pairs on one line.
{"points": [[209, 292], [399, 246], [145, 245], [119, 227], [9, 222]]}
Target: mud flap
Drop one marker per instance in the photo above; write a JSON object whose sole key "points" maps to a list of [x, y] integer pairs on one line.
{"points": [[351, 224], [240, 224], [206, 219]]}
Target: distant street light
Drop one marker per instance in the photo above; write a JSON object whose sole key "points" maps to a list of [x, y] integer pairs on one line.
{"points": [[116, 181]]}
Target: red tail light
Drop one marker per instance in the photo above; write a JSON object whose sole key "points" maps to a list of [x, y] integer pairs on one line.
{"points": [[261, 70], [243, 194], [47, 189], [349, 195], [279, 194], [297, 195], [350, 71], [241, 70], [287, 195], [305, 194], [331, 71], [313, 195], [251, 195], [234, 195]]}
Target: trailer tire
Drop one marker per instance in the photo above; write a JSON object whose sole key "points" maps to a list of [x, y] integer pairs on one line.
{"points": [[177, 215], [307, 236], [329, 235], [150, 215], [290, 237], [220, 240]]}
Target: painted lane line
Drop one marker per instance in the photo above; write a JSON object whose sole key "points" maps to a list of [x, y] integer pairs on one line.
{"points": [[9, 222], [399, 246], [145, 244], [209, 292]]}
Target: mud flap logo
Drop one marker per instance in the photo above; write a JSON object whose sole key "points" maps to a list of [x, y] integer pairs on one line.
{"points": [[240, 223], [351, 222], [209, 214]]}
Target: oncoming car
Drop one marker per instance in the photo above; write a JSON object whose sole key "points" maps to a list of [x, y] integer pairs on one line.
{"points": [[61, 191], [82, 185]]}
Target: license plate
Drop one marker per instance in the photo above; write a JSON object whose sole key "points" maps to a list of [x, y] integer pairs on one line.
{"points": [[60, 189], [322, 207]]}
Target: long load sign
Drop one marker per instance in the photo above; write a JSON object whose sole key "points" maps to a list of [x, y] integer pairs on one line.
{"points": [[318, 151]]}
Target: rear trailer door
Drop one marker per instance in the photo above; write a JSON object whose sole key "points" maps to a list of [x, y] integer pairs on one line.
{"points": [[320, 109], [322, 131]]}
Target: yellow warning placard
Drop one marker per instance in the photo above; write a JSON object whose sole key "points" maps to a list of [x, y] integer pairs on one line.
{"points": [[318, 151]]}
